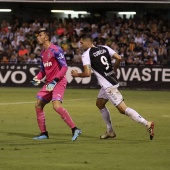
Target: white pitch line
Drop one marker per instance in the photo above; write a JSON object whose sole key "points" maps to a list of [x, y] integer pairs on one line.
{"points": [[16, 103], [2, 104]]}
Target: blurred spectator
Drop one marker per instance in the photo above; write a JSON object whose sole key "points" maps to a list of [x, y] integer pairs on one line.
{"points": [[37, 48], [13, 59], [1, 53], [36, 25], [32, 59], [46, 23], [53, 38], [153, 28], [4, 34], [52, 27], [103, 32], [94, 32], [139, 37], [74, 44], [152, 53], [150, 60], [30, 36], [22, 51], [115, 47], [162, 52], [21, 36], [74, 34], [130, 58], [78, 29], [109, 40], [64, 44], [60, 30], [113, 33], [121, 42], [167, 40], [145, 57], [10, 34], [4, 25], [138, 48], [25, 28], [122, 54], [38, 55], [22, 54], [16, 24], [8, 51], [132, 44], [87, 28], [71, 30], [138, 60], [131, 34], [5, 59], [29, 50], [108, 29], [5, 43], [69, 56], [153, 42], [77, 56], [99, 40]]}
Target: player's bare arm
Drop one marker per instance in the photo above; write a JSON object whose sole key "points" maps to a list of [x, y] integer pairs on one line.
{"points": [[117, 62], [85, 73]]}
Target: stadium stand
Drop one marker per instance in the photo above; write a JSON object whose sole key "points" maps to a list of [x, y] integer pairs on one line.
{"points": [[140, 41]]}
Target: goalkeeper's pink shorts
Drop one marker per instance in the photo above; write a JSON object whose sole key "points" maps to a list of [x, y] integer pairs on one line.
{"points": [[56, 94]]}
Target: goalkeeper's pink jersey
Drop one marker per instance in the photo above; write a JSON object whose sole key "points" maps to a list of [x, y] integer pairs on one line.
{"points": [[53, 64]]}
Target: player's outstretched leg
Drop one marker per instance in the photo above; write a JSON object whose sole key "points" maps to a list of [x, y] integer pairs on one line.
{"points": [[76, 132]]}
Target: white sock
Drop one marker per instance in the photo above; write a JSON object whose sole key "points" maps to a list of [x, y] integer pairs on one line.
{"points": [[106, 116], [135, 116]]}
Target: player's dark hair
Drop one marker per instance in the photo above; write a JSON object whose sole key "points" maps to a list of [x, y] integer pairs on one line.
{"points": [[48, 34], [86, 36], [46, 31]]}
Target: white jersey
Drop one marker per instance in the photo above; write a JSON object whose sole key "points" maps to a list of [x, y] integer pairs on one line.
{"points": [[99, 58]]}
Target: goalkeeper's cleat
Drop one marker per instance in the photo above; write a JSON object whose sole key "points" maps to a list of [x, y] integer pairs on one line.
{"points": [[76, 132], [150, 129], [108, 135], [43, 135]]}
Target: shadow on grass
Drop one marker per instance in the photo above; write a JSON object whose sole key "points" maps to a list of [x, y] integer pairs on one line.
{"points": [[26, 135], [56, 138]]}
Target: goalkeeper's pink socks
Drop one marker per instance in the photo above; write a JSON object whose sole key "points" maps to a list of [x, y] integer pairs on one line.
{"points": [[41, 119], [66, 117], [63, 113]]}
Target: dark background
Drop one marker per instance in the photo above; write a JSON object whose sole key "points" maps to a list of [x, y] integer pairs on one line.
{"points": [[33, 9]]}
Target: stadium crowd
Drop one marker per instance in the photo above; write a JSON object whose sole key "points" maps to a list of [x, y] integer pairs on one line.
{"points": [[140, 41]]}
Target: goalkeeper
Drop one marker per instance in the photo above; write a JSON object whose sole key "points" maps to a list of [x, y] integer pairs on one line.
{"points": [[54, 67]]}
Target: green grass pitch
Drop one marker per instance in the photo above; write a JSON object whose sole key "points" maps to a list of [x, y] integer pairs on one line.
{"points": [[131, 150]]}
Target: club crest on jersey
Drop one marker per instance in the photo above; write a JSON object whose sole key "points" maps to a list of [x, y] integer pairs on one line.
{"points": [[48, 55]]}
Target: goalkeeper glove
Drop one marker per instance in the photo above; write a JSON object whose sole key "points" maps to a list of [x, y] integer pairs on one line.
{"points": [[50, 86], [35, 81]]}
